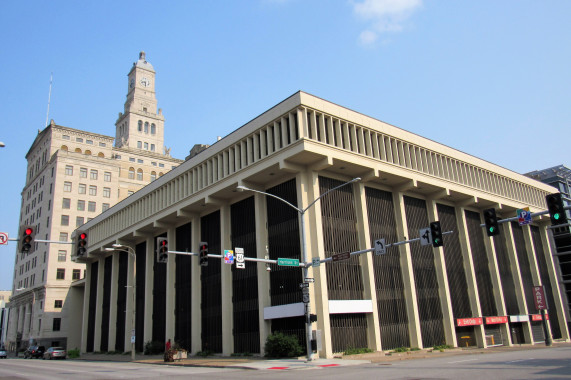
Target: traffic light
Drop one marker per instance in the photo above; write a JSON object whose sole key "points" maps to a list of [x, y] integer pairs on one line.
{"points": [[81, 248], [491, 220], [436, 233], [204, 254], [27, 240], [162, 250], [556, 209]]}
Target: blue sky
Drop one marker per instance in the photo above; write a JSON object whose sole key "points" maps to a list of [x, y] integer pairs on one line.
{"points": [[489, 78]]}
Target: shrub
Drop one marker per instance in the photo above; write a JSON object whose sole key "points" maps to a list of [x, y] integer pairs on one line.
{"points": [[73, 354], [279, 345], [356, 351], [401, 349], [204, 353], [154, 348]]}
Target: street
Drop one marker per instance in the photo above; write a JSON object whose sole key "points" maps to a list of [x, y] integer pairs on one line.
{"points": [[545, 363]]}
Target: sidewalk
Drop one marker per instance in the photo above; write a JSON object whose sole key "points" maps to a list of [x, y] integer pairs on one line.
{"points": [[259, 363]]}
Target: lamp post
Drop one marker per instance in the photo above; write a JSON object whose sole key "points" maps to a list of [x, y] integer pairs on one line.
{"points": [[301, 212], [131, 252]]}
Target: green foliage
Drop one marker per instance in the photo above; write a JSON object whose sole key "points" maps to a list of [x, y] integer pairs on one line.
{"points": [[73, 353], [356, 351], [154, 348], [415, 349], [279, 345], [442, 347], [401, 349], [204, 353]]}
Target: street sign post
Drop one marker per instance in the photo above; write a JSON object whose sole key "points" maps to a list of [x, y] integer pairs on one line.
{"points": [[288, 262], [523, 216], [228, 256], [240, 262]]}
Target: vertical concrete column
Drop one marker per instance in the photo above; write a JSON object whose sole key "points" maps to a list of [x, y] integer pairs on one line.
{"points": [[264, 300], [442, 278], [470, 271], [302, 123], [407, 273], [518, 283], [99, 305], [497, 285], [196, 299], [130, 302], [307, 192], [367, 268], [149, 277], [226, 282], [27, 319], [85, 314], [170, 286], [554, 276], [113, 301], [533, 268]]}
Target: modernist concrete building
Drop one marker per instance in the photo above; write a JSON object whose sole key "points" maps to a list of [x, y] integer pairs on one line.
{"points": [[474, 291], [73, 176]]}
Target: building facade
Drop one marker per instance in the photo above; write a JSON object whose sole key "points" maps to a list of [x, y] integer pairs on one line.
{"points": [[73, 176], [474, 291], [4, 297], [560, 178]]}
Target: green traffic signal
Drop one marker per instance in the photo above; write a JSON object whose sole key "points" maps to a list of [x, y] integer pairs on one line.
{"points": [[556, 216], [492, 230]]}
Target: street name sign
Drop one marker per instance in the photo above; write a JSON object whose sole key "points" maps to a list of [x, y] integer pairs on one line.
{"points": [[240, 262], [341, 256], [288, 262]]}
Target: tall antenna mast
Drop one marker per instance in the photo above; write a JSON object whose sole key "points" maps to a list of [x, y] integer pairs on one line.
{"points": [[49, 98]]}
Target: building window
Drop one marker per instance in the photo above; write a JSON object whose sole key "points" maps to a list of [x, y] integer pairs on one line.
{"points": [[66, 203], [105, 205], [139, 144], [146, 146], [131, 159], [107, 176], [80, 205], [60, 274], [61, 256], [146, 127], [83, 172], [91, 206], [67, 187], [153, 176], [79, 139], [75, 274], [65, 220], [102, 144], [140, 161], [58, 304], [65, 137], [140, 127], [140, 174], [153, 129], [131, 173], [63, 236], [82, 188], [161, 165], [79, 220], [89, 142], [106, 192], [93, 174], [92, 190], [130, 192], [57, 324], [68, 170]]}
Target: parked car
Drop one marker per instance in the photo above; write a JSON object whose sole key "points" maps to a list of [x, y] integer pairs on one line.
{"points": [[3, 353], [34, 352], [55, 353]]}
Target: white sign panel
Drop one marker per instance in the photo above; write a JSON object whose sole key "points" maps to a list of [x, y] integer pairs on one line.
{"points": [[315, 262], [380, 247], [3, 237], [240, 262], [425, 236]]}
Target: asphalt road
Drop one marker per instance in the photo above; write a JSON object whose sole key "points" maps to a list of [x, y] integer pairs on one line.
{"points": [[546, 363]]}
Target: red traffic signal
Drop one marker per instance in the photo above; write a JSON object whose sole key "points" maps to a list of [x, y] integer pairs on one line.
{"points": [[204, 254], [162, 250], [27, 241], [81, 244]]}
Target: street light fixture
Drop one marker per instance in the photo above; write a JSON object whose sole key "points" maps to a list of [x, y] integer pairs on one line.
{"points": [[2, 145], [301, 212], [131, 252]]}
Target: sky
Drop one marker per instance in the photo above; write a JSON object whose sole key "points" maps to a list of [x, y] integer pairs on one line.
{"points": [[489, 78]]}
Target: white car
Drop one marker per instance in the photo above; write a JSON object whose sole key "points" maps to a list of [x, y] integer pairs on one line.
{"points": [[3, 354]]}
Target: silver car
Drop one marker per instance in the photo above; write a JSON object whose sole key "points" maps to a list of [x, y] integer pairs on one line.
{"points": [[3, 354], [55, 353]]}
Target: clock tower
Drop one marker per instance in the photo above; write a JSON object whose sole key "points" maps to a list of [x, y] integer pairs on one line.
{"points": [[141, 125]]}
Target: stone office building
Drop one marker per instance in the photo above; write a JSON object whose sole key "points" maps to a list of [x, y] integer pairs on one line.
{"points": [[475, 290], [73, 176]]}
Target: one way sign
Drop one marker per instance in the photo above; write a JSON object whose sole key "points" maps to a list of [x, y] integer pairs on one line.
{"points": [[380, 247]]}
